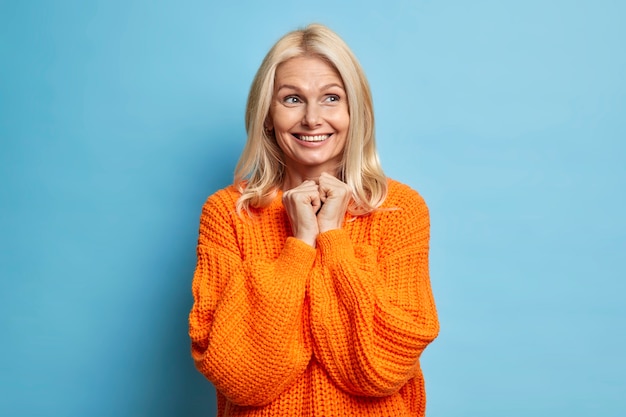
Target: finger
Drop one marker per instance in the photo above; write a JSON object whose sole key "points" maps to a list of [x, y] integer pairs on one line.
{"points": [[329, 187], [303, 189], [328, 179], [322, 192], [308, 188], [316, 203]]}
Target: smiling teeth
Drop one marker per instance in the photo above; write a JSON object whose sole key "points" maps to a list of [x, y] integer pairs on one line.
{"points": [[317, 138]]}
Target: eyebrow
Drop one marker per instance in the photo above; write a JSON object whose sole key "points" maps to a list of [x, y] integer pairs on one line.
{"points": [[293, 87]]}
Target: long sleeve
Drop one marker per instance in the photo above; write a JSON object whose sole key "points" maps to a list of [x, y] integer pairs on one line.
{"points": [[246, 323], [372, 309]]}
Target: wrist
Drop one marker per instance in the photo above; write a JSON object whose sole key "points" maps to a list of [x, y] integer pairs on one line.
{"points": [[310, 242], [325, 226], [308, 238]]}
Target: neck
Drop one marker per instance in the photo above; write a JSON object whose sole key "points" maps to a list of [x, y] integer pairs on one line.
{"points": [[295, 177]]}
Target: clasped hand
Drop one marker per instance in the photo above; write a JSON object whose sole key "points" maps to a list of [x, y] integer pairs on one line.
{"points": [[316, 206]]}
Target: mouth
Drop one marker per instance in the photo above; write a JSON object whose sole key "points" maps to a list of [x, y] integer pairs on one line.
{"points": [[311, 138]]}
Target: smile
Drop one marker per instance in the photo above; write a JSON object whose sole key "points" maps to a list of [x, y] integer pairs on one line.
{"points": [[316, 138]]}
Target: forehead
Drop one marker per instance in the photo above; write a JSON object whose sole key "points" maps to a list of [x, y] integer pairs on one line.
{"points": [[308, 70]]}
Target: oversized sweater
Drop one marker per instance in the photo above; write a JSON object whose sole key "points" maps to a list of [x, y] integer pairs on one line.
{"points": [[284, 329]]}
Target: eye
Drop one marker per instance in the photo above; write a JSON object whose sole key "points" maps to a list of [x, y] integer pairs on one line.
{"points": [[332, 98], [291, 100]]}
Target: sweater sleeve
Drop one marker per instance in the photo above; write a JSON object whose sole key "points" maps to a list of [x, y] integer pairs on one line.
{"points": [[372, 310], [245, 325]]}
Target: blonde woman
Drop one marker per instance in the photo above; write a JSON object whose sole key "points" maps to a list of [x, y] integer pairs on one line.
{"points": [[311, 290]]}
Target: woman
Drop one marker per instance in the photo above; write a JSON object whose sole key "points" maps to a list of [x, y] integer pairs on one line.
{"points": [[311, 291]]}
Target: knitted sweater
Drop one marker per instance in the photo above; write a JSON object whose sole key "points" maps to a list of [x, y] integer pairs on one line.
{"points": [[284, 329]]}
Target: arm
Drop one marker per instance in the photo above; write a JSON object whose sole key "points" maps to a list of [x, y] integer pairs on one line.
{"points": [[246, 322], [372, 314]]}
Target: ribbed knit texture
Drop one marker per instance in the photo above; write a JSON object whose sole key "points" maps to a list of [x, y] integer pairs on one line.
{"points": [[284, 329]]}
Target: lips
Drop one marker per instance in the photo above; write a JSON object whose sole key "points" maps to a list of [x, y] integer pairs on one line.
{"points": [[311, 138]]}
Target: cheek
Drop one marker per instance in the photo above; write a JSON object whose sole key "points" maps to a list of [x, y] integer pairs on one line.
{"points": [[283, 139], [343, 122], [284, 119], [342, 118]]}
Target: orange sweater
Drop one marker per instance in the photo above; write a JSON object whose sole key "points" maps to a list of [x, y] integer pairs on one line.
{"points": [[284, 329]]}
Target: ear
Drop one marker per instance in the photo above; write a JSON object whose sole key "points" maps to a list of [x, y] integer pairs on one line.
{"points": [[268, 124]]}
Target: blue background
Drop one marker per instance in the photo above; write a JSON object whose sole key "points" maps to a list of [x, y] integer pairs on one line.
{"points": [[118, 119]]}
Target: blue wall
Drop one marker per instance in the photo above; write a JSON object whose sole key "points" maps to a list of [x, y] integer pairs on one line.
{"points": [[118, 119]]}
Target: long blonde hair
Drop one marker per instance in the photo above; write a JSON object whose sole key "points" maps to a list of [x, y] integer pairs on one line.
{"points": [[260, 171]]}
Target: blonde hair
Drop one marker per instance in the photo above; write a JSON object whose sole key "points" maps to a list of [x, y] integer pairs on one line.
{"points": [[260, 170]]}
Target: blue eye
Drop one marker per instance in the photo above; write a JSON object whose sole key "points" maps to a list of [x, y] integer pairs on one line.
{"points": [[332, 98], [291, 100]]}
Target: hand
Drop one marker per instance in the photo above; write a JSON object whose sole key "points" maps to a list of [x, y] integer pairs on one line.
{"points": [[302, 204], [335, 196]]}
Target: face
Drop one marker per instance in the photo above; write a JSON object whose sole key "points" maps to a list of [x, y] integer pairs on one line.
{"points": [[309, 115]]}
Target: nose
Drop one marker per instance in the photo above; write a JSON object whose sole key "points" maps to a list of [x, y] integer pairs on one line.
{"points": [[311, 117]]}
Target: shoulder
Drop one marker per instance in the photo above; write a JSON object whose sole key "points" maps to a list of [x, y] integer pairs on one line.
{"points": [[222, 201], [404, 215], [219, 213], [401, 196], [230, 193]]}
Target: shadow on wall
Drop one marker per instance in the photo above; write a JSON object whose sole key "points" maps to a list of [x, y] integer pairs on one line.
{"points": [[173, 387]]}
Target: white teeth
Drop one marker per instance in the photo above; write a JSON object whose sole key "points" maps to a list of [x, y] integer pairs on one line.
{"points": [[317, 138]]}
